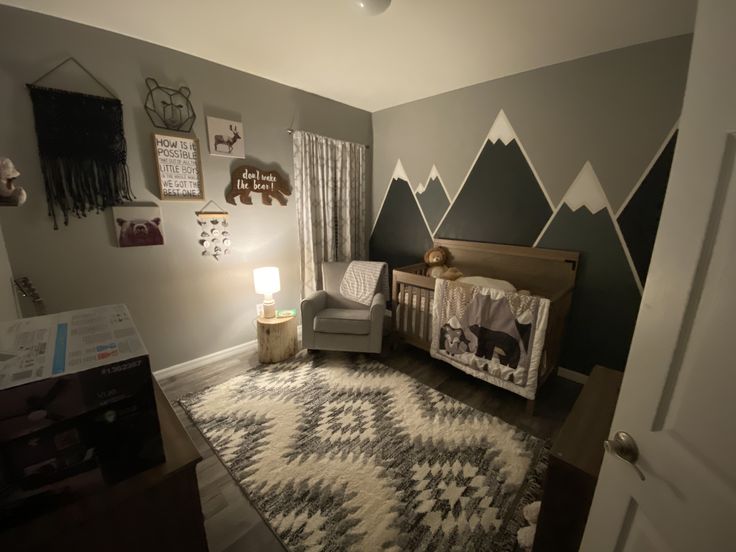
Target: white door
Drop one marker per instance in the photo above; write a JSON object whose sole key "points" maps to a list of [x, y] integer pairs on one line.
{"points": [[678, 399], [8, 298]]}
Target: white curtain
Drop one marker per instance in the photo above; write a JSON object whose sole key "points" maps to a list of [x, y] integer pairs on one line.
{"points": [[330, 187]]}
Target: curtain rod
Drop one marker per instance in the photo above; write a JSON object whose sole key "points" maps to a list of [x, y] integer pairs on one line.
{"points": [[290, 131]]}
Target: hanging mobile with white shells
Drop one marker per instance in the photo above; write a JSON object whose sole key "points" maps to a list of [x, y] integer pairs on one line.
{"points": [[214, 232]]}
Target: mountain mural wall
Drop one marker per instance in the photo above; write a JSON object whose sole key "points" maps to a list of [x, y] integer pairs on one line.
{"points": [[639, 217], [433, 199], [606, 297], [502, 200], [400, 236]]}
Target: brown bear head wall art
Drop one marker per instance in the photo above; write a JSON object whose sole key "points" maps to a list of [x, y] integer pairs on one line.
{"points": [[138, 232]]}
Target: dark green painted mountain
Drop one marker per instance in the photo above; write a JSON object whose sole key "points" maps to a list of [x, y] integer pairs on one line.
{"points": [[640, 218], [606, 298], [400, 236], [501, 201], [433, 201]]}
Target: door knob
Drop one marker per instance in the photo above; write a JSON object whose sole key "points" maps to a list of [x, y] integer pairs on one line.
{"points": [[623, 447]]}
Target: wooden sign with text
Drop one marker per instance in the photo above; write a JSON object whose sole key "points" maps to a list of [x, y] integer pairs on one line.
{"points": [[246, 179], [178, 166]]}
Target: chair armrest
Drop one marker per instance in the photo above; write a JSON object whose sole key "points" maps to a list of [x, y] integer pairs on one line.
{"points": [[378, 306], [311, 305], [378, 310]]}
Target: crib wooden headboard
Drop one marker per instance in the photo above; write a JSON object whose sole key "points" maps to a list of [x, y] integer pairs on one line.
{"points": [[548, 272]]}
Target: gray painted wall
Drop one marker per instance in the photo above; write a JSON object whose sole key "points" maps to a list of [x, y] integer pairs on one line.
{"points": [[613, 109], [184, 305]]}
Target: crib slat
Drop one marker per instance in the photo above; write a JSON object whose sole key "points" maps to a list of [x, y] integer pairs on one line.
{"points": [[428, 314], [396, 306], [417, 311], [399, 307], [420, 313], [407, 320], [402, 307], [430, 306], [427, 331]]}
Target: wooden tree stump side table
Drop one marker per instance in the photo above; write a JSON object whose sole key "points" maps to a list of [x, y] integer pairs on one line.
{"points": [[277, 339]]}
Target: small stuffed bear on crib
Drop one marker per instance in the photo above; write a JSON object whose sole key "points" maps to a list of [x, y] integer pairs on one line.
{"points": [[436, 261]]}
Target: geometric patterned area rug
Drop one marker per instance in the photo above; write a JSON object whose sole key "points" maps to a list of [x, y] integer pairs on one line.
{"points": [[340, 452]]}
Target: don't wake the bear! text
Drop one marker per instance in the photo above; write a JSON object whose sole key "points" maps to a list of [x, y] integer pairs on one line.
{"points": [[246, 180]]}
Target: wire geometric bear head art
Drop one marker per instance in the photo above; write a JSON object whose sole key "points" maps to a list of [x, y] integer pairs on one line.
{"points": [[169, 108]]}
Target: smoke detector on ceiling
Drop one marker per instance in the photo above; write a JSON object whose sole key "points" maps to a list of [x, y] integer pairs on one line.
{"points": [[372, 7]]}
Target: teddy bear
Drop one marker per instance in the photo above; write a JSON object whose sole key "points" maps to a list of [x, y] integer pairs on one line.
{"points": [[9, 193], [436, 261]]}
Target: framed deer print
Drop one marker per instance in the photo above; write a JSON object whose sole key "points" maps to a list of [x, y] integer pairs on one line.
{"points": [[225, 137], [178, 166]]}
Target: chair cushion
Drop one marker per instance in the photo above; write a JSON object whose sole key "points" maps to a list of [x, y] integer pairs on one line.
{"points": [[343, 321]]}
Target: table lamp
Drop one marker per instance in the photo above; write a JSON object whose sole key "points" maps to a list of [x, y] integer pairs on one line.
{"points": [[266, 281]]}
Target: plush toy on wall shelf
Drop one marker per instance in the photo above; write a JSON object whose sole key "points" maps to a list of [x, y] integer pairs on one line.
{"points": [[436, 261], [10, 194]]}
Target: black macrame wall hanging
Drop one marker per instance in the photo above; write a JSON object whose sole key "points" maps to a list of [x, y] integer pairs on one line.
{"points": [[82, 149]]}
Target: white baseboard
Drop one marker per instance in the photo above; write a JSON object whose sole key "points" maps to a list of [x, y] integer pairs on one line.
{"points": [[206, 359], [212, 357], [572, 375], [224, 354]]}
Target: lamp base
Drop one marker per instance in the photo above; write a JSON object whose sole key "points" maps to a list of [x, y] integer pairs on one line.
{"points": [[269, 309]]}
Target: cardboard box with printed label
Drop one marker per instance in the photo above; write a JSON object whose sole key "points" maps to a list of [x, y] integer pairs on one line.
{"points": [[77, 409]]}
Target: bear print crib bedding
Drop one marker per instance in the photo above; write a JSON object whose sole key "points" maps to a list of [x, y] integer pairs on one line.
{"points": [[497, 336]]}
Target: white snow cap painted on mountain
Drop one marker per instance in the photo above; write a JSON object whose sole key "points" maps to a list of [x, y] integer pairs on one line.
{"points": [[434, 173], [399, 172], [586, 191], [501, 130]]}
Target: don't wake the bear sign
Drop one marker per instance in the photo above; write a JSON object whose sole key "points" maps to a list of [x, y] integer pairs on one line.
{"points": [[246, 179]]}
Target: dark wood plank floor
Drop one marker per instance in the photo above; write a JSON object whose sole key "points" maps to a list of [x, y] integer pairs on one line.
{"points": [[233, 524]]}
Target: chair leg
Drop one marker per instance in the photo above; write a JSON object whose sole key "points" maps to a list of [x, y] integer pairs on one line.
{"points": [[394, 341]]}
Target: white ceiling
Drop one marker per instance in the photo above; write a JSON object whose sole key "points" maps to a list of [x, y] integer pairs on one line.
{"points": [[416, 49]]}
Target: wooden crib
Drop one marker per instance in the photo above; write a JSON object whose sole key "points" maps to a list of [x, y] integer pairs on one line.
{"points": [[544, 272]]}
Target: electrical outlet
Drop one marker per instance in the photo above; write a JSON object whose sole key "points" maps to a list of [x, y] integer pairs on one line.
{"points": [[259, 309]]}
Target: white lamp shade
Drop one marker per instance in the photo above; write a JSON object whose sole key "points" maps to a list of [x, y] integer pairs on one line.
{"points": [[266, 280]]}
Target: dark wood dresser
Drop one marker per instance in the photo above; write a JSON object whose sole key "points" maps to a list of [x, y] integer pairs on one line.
{"points": [[156, 510], [575, 462]]}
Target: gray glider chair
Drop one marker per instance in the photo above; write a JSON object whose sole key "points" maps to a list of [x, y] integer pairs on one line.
{"points": [[331, 322]]}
